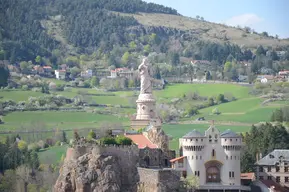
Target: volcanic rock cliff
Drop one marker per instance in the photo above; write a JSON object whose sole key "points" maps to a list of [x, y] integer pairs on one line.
{"points": [[88, 169]]}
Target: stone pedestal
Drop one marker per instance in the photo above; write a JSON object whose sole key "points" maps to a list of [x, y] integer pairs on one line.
{"points": [[146, 107]]}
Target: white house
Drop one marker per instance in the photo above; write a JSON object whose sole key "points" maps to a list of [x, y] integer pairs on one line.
{"points": [[213, 157], [60, 74]]}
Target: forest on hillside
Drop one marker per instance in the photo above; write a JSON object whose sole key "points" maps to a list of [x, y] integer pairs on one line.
{"points": [[100, 37]]}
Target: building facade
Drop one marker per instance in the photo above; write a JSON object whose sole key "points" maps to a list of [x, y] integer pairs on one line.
{"points": [[60, 74], [274, 167], [213, 157]]}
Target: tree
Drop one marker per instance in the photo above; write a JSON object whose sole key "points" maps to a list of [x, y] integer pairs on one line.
{"points": [[94, 82], [38, 59], [174, 59], [265, 34], [22, 145], [108, 141], [147, 48], [122, 140], [7, 182], [125, 58], [221, 98], [198, 17], [190, 183], [76, 136], [260, 50], [91, 135], [64, 138], [4, 75], [228, 66]]}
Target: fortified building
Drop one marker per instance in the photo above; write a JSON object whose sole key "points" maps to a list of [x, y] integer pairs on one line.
{"points": [[213, 157]]}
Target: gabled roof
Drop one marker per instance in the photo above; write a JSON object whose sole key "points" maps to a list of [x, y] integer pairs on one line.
{"points": [[177, 159], [193, 133], [274, 157], [142, 141], [277, 186], [229, 134]]}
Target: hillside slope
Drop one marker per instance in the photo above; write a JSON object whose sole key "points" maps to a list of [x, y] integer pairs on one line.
{"points": [[207, 31], [115, 33]]}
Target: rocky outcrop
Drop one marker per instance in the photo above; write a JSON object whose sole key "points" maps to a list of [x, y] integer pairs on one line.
{"points": [[94, 169], [158, 136], [89, 173]]}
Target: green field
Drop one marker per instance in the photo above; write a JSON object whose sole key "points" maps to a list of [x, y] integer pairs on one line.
{"points": [[179, 130], [52, 155], [61, 120]]}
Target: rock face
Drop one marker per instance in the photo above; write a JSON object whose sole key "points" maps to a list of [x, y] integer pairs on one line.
{"points": [[90, 173], [157, 136]]}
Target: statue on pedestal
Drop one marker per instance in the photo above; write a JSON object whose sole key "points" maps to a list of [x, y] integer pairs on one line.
{"points": [[145, 79]]}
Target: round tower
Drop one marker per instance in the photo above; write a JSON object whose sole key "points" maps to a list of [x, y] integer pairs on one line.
{"points": [[146, 107], [193, 145], [232, 143]]}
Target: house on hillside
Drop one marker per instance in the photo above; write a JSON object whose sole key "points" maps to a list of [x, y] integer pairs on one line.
{"points": [[121, 72], [200, 62], [265, 78], [47, 69], [60, 74], [37, 69], [273, 170]]}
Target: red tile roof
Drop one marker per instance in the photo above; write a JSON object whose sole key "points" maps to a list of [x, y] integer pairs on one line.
{"points": [[176, 159], [250, 176], [47, 67], [141, 141], [277, 187]]}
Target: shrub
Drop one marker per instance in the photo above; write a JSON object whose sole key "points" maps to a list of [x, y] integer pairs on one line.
{"points": [[25, 87], [216, 111], [22, 145], [57, 143], [108, 141], [192, 111], [122, 140], [33, 147], [91, 135]]}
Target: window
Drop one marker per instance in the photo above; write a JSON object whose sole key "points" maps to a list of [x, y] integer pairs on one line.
{"points": [[286, 179], [197, 157], [261, 178], [191, 139], [197, 173], [225, 139], [230, 139], [278, 179], [277, 169], [235, 157], [230, 174], [260, 169], [269, 177], [213, 153], [227, 157], [202, 140], [192, 157], [233, 175], [269, 168], [231, 157], [236, 139], [201, 157], [197, 140], [285, 169]]}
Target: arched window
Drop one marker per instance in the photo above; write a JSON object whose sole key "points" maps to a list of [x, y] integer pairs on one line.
{"points": [[213, 153]]}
